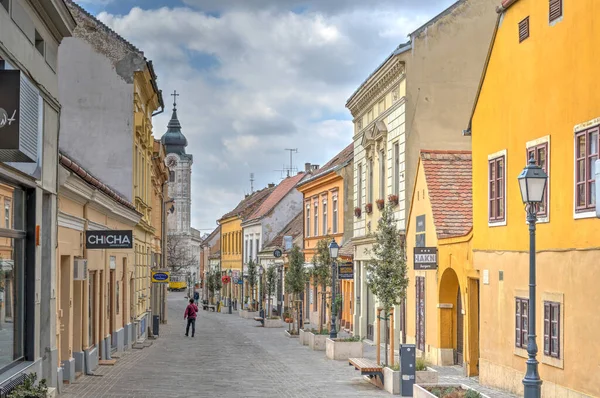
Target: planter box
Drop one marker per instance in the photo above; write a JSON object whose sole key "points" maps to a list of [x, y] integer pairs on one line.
{"points": [[273, 323], [342, 350], [303, 337], [293, 336], [429, 376], [419, 391], [316, 342], [391, 381], [249, 314]]}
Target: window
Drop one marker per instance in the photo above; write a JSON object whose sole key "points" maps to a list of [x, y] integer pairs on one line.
{"points": [[555, 10], [307, 221], [370, 192], [92, 309], [360, 185], [552, 329], [496, 189], [540, 154], [335, 216], [7, 213], [523, 29], [586, 154], [381, 175], [521, 322], [420, 231], [381, 106], [396, 170], [39, 42], [257, 247], [316, 215], [171, 176], [324, 217], [250, 258]]}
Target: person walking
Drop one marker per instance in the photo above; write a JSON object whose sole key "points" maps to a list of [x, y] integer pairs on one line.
{"points": [[190, 314], [196, 297]]}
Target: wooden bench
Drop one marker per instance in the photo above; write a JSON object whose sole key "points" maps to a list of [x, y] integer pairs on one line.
{"points": [[260, 319], [368, 368], [209, 307]]}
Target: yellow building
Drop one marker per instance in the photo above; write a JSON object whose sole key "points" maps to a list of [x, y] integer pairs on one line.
{"points": [[231, 237], [328, 214], [93, 292], [147, 99], [160, 176], [441, 298], [539, 98]]}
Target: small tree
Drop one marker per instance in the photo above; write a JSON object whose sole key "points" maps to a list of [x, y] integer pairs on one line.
{"points": [[271, 284], [322, 273], [210, 284], [252, 277], [386, 271], [295, 277], [179, 254]]}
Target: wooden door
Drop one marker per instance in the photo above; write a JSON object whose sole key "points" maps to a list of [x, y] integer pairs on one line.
{"points": [[459, 356], [420, 322]]}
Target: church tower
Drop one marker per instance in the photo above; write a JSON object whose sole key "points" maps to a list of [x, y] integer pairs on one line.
{"points": [[179, 164]]}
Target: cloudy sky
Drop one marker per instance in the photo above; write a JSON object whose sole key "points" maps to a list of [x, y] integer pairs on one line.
{"points": [[259, 76]]}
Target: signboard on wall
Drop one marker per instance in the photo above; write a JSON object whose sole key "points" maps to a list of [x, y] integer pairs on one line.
{"points": [[425, 258], [161, 277], [108, 239], [346, 271]]}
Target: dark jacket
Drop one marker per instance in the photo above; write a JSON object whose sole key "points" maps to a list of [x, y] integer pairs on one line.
{"points": [[190, 311]]}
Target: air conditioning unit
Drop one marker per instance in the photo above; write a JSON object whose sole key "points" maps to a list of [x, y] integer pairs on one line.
{"points": [[80, 272]]}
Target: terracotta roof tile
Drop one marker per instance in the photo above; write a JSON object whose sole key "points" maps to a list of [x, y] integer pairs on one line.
{"points": [[346, 155], [294, 229], [449, 182], [276, 196], [249, 204]]}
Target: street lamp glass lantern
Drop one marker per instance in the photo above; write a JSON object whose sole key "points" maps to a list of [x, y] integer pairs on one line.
{"points": [[260, 270], [532, 182], [333, 249]]}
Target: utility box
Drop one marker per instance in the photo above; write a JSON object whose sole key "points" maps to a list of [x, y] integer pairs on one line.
{"points": [[597, 173], [155, 324], [408, 368]]}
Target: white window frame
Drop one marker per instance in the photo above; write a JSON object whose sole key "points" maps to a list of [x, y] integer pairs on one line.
{"points": [[577, 129], [528, 146]]}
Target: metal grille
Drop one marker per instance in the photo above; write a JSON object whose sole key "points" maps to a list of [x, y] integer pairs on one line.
{"points": [[29, 118], [523, 29], [8, 387]]}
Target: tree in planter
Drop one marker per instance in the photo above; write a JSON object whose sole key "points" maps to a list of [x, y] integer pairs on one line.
{"points": [[386, 271], [271, 284], [322, 273], [252, 277], [210, 284], [295, 277]]}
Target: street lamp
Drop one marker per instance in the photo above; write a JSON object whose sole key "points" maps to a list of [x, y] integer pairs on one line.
{"points": [[260, 290], [230, 289], [532, 182], [333, 253]]}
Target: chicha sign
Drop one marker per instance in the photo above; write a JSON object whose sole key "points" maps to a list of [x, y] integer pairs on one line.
{"points": [[425, 258], [108, 239]]}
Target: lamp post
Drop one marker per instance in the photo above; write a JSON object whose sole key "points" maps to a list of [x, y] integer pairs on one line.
{"points": [[333, 253], [532, 182], [230, 290], [260, 288]]}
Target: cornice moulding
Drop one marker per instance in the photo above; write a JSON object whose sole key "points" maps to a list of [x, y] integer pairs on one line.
{"points": [[69, 221]]}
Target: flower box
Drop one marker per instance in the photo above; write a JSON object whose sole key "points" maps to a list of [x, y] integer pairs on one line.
{"points": [[429, 376], [291, 335], [393, 199], [342, 350], [316, 342], [249, 314], [369, 208], [357, 212], [303, 337], [273, 323], [422, 390], [380, 204], [391, 381]]}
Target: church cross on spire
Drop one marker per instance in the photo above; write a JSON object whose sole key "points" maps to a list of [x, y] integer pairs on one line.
{"points": [[175, 95]]}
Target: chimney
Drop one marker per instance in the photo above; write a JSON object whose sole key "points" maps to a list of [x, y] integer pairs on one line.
{"points": [[271, 185], [315, 167], [245, 196], [307, 167]]}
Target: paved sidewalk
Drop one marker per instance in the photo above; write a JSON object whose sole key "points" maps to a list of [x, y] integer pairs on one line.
{"points": [[229, 357]]}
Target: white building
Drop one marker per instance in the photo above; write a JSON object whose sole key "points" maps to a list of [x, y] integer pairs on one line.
{"points": [[180, 191]]}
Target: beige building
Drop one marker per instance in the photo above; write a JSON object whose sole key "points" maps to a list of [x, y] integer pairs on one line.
{"points": [[94, 289]]}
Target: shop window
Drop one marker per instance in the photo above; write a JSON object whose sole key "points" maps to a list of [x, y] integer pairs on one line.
{"points": [[521, 322]]}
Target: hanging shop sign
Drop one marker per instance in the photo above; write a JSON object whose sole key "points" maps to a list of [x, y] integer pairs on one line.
{"points": [[161, 277], [108, 239], [425, 258], [346, 271], [225, 279]]}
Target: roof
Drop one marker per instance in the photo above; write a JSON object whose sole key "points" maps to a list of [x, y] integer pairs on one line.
{"points": [[449, 182], [276, 196], [338, 161], [294, 229], [93, 181], [436, 18], [347, 249], [215, 255], [212, 235], [399, 50], [504, 5], [174, 140], [249, 204]]}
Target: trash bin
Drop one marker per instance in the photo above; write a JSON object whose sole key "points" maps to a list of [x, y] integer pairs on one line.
{"points": [[408, 368], [155, 324]]}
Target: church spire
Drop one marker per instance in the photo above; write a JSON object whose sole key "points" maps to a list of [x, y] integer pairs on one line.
{"points": [[173, 139]]}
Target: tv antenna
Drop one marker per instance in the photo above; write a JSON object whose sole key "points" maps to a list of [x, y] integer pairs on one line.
{"points": [[291, 170], [282, 172], [251, 183]]}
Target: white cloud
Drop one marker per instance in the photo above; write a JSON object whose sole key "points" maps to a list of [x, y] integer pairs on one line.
{"points": [[256, 81]]}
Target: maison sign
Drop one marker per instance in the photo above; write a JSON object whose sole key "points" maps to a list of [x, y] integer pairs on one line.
{"points": [[425, 258], [108, 239], [346, 271]]}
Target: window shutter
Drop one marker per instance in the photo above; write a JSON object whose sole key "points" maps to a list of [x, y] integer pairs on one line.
{"points": [[523, 29], [555, 10], [546, 328]]}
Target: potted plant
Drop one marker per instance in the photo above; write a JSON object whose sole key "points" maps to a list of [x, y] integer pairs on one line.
{"points": [[369, 208], [393, 199], [391, 379], [357, 212], [29, 390], [380, 203], [317, 340], [343, 348], [425, 374], [273, 322], [445, 390]]}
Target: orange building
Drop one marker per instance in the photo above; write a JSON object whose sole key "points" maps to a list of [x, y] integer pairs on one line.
{"points": [[328, 214]]}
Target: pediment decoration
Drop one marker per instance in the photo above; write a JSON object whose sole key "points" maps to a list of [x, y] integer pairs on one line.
{"points": [[374, 134]]}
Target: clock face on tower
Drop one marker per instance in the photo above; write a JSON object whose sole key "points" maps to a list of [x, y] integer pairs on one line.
{"points": [[171, 161]]}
